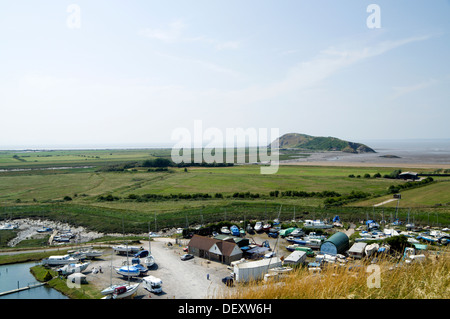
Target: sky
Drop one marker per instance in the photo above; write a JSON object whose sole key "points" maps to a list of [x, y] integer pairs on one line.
{"points": [[109, 72]]}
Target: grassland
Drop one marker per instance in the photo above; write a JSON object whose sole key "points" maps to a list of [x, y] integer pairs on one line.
{"points": [[72, 194]]}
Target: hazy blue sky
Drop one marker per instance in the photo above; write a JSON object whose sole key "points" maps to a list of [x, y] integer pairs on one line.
{"points": [[132, 72]]}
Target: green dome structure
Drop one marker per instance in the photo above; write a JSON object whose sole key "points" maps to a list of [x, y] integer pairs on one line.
{"points": [[338, 243]]}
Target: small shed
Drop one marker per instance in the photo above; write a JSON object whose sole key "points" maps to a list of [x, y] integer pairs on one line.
{"points": [[357, 250], [297, 257], [254, 270], [338, 243], [77, 278]]}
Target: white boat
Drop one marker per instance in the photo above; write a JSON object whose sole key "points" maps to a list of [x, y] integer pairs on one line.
{"points": [[371, 249], [124, 249], [73, 268], [390, 232], [44, 229], [313, 243], [77, 254], [59, 260], [8, 226], [149, 261], [413, 240], [92, 253], [297, 232], [120, 291], [225, 230], [152, 284], [316, 224], [258, 227]]}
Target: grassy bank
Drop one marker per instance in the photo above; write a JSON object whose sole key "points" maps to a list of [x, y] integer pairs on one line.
{"points": [[429, 280], [85, 291]]}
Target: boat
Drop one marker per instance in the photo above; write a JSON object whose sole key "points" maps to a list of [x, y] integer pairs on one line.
{"points": [[258, 227], [413, 240], [225, 230], [152, 284], [313, 243], [337, 222], [128, 271], [234, 230], [384, 249], [72, 268], [390, 232], [91, 253], [294, 240], [8, 226], [241, 231], [426, 238], [316, 224], [266, 227], [120, 291], [136, 262], [77, 254], [124, 249], [44, 229], [287, 231], [59, 260], [149, 261], [276, 221], [371, 249], [297, 232]]}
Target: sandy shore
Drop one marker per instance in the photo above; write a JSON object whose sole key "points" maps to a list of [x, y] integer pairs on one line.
{"points": [[399, 159]]}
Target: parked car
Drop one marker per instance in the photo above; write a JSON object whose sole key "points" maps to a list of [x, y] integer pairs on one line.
{"points": [[273, 234], [141, 254], [228, 280], [187, 257]]}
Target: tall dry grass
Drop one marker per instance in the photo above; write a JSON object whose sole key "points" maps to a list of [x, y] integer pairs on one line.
{"points": [[427, 280]]}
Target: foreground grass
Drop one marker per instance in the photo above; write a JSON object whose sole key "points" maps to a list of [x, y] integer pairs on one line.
{"points": [[429, 280]]}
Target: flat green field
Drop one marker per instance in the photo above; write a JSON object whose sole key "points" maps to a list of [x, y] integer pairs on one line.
{"points": [[437, 194], [43, 186], [81, 194]]}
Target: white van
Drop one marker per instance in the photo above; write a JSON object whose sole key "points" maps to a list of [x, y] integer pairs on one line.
{"points": [[152, 284]]}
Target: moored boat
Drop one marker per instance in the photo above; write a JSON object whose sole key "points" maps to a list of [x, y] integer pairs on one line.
{"points": [[258, 227]]}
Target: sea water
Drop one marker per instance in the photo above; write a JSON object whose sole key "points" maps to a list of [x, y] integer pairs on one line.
{"points": [[18, 276]]}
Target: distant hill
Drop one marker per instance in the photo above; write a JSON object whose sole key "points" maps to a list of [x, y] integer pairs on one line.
{"points": [[314, 143]]}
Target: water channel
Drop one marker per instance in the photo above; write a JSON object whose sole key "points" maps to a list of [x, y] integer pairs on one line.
{"points": [[18, 276]]}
